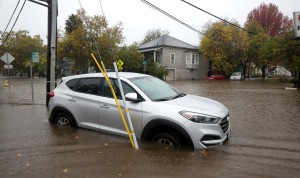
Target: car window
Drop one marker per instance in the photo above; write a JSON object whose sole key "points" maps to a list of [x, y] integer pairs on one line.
{"points": [[126, 88], [236, 74], [72, 83], [154, 88], [85, 85]]}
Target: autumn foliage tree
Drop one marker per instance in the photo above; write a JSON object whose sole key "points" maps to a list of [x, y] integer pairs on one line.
{"points": [[271, 19], [225, 45]]}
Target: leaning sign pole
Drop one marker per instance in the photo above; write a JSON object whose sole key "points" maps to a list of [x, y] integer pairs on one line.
{"points": [[130, 132], [125, 105]]}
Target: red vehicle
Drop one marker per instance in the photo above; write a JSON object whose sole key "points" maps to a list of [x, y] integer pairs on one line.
{"points": [[216, 77]]}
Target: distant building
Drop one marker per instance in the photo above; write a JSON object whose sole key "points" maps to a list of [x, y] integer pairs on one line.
{"points": [[182, 60]]}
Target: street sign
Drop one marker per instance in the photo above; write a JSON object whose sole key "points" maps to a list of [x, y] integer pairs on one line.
{"points": [[297, 24], [7, 58], [35, 56], [120, 63], [8, 66]]}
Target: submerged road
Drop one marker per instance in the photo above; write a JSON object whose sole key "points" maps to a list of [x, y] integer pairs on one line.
{"points": [[265, 139]]}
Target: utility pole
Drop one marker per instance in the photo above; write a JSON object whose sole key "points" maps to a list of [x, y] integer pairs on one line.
{"points": [[51, 44], [53, 37]]}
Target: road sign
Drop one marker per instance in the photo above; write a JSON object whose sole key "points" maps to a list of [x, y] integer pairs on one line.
{"points": [[8, 66], [35, 56], [7, 58], [120, 63], [297, 24]]}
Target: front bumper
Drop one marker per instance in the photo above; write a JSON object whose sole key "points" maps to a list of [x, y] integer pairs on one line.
{"points": [[207, 135]]}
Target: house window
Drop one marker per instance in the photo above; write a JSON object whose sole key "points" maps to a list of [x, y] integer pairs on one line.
{"points": [[172, 58], [192, 58]]}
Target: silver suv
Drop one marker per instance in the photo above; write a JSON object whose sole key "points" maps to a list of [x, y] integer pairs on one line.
{"points": [[158, 111]]}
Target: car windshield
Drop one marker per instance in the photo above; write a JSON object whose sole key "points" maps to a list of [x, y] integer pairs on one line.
{"points": [[156, 89], [236, 74]]}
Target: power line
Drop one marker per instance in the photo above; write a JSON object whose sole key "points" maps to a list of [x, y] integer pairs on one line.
{"points": [[14, 23], [218, 17], [170, 16], [10, 18], [90, 32], [101, 8]]}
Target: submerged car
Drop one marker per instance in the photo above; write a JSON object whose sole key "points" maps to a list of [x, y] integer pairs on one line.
{"points": [[236, 76], [158, 111], [216, 77]]}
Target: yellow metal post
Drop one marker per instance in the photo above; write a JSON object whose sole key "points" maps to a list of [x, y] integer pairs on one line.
{"points": [[126, 108], [103, 71]]}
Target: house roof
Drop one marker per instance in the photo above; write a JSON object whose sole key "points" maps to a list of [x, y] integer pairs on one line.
{"points": [[166, 40]]}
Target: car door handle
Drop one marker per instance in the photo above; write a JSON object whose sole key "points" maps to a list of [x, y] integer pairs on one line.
{"points": [[104, 106], [72, 100]]}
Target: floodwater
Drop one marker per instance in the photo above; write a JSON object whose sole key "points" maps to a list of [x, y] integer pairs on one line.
{"points": [[265, 139]]}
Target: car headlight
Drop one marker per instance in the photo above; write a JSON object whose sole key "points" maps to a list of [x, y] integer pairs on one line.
{"points": [[199, 118]]}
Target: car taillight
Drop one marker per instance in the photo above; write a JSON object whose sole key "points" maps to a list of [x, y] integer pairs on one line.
{"points": [[51, 94]]}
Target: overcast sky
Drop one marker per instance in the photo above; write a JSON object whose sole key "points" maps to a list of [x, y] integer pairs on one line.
{"points": [[137, 17]]}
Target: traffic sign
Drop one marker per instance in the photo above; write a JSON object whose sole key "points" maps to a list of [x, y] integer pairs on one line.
{"points": [[7, 58], [120, 63], [35, 56], [8, 66], [297, 24]]}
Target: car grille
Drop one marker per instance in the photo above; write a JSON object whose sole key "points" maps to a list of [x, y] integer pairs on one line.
{"points": [[225, 123]]}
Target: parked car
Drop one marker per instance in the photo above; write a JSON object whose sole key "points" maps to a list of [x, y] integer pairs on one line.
{"points": [[237, 76], [216, 77], [158, 111]]}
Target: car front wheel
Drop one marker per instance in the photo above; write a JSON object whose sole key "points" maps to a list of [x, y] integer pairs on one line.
{"points": [[64, 120], [167, 138]]}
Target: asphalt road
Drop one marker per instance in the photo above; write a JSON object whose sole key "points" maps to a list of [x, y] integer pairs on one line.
{"points": [[265, 139]]}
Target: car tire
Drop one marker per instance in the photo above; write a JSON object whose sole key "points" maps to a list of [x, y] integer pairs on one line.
{"points": [[64, 120], [168, 138]]}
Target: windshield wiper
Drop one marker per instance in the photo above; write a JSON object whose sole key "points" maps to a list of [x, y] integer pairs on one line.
{"points": [[171, 98], [179, 95], [162, 99]]}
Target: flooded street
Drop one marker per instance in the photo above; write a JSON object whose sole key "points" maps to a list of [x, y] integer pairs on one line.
{"points": [[265, 140]]}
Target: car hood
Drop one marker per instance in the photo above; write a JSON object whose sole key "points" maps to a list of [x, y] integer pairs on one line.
{"points": [[200, 105]]}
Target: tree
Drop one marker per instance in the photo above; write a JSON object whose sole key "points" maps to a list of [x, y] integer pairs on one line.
{"points": [[21, 45], [154, 33], [271, 19], [288, 50], [225, 45], [73, 23], [94, 36], [156, 70], [131, 57], [257, 40]]}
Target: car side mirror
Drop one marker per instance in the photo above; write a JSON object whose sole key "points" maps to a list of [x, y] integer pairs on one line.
{"points": [[132, 97]]}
